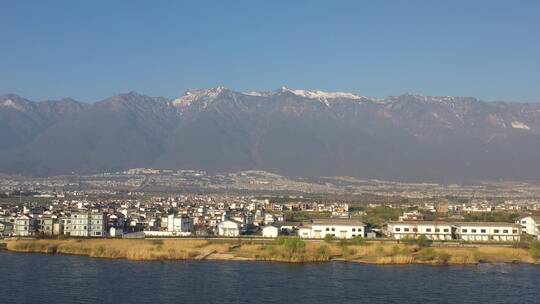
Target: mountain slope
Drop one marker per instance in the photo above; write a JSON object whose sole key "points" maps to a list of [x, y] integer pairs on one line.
{"points": [[294, 132], [22, 120]]}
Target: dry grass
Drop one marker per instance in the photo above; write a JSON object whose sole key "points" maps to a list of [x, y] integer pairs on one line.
{"points": [[503, 254], [118, 249], [317, 251], [397, 259]]}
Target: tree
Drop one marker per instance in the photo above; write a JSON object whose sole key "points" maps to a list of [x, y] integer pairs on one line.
{"points": [[534, 250], [328, 238], [294, 245]]}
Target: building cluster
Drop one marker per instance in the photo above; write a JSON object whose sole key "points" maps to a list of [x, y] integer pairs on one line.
{"points": [[411, 225], [517, 195], [234, 216], [189, 215]]}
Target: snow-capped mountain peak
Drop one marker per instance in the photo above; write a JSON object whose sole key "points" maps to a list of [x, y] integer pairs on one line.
{"points": [[316, 94], [322, 96], [8, 103], [196, 94], [311, 94]]}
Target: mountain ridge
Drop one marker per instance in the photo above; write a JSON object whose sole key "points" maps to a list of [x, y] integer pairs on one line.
{"points": [[292, 132]]}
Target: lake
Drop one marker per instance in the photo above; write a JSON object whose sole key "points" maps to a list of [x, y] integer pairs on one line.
{"points": [[37, 278]]}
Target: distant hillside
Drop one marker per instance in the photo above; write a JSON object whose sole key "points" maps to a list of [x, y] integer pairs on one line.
{"points": [[292, 132]]}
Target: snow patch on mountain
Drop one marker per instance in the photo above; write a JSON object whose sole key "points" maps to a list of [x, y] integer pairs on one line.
{"points": [[257, 94], [520, 125], [196, 94], [316, 94], [8, 103]]}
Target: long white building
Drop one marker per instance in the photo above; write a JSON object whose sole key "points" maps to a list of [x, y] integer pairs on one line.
{"points": [[339, 228], [432, 230], [464, 231], [488, 232]]}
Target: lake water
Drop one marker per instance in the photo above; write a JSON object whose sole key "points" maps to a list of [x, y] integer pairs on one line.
{"points": [[36, 278]]}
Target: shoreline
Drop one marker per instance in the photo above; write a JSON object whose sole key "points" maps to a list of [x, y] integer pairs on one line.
{"points": [[295, 251]]}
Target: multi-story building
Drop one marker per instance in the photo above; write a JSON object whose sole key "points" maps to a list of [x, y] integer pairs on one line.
{"points": [[6, 228], [179, 223], [432, 230], [228, 228], [445, 231], [339, 228], [530, 225], [23, 226], [488, 232], [85, 224], [45, 225]]}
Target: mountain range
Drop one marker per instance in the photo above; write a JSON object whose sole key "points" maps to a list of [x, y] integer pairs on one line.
{"points": [[291, 132]]}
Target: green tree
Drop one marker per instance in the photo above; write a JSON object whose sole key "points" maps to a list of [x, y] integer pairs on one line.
{"points": [[422, 241], [323, 252], [534, 250], [358, 240], [328, 238], [294, 245]]}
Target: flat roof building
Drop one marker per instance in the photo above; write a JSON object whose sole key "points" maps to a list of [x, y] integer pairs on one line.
{"points": [[339, 228]]}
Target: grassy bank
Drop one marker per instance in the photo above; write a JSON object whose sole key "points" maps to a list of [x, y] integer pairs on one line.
{"points": [[280, 250]]}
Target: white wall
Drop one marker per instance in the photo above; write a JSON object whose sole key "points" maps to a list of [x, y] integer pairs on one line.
{"points": [[432, 231], [228, 228], [529, 225], [319, 231], [270, 231], [500, 233]]}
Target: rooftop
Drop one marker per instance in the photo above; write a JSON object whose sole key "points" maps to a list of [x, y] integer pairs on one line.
{"points": [[338, 221]]}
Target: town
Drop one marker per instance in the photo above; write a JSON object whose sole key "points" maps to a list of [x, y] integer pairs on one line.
{"points": [[252, 216]]}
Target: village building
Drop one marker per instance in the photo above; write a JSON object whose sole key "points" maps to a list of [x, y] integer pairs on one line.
{"points": [[6, 228], [228, 228], [339, 228], [411, 216], [432, 230], [179, 223], [45, 225], [530, 225], [116, 232], [85, 224], [23, 225], [270, 231], [488, 232], [287, 228]]}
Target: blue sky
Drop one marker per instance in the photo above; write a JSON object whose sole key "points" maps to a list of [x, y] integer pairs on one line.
{"points": [[93, 49]]}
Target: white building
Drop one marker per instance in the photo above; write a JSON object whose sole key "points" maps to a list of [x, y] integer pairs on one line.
{"points": [[23, 226], [305, 232], [228, 228], [488, 232], [530, 225], [116, 232], [411, 216], [466, 231], [432, 230], [6, 228], [339, 228], [85, 224], [179, 223], [270, 231]]}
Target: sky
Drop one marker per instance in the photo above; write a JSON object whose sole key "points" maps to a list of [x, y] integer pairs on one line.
{"points": [[90, 50]]}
